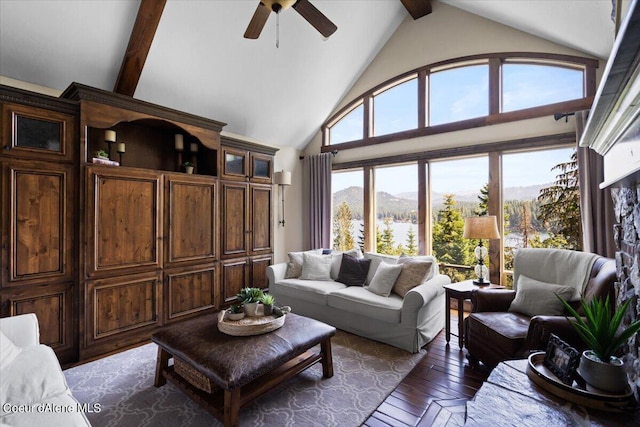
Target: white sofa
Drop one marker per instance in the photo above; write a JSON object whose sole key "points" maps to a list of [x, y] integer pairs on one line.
{"points": [[33, 390], [407, 323]]}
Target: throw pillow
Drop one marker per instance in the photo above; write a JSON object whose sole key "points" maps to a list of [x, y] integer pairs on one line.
{"points": [[534, 297], [8, 350], [316, 267], [413, 274], [353, 271], [294, 267], [337, 261], [384, 279]]}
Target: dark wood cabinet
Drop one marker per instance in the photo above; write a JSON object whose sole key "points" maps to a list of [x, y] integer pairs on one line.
{"points": [[124, 218], [106, 254], [39, 208]]}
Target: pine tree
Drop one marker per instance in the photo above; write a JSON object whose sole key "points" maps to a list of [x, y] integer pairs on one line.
{"points": [[361, 237], [448, 244], [343, 229], [483, 201], [412, 247], [525, 227], [387, 237], [560, 203]]}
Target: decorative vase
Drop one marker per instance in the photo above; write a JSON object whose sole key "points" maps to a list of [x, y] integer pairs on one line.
{"points": [[235, 316], [610, 377], [251, 309], [188, 169], [267, 309]]}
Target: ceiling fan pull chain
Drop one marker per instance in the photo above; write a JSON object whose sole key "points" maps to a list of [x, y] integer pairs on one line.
{"points": [[277, 30]]}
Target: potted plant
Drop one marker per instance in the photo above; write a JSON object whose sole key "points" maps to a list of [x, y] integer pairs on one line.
{"points": [[250, 297], [267, 304], [236, 312], [598, 365], [101, 154], [188, 167]]}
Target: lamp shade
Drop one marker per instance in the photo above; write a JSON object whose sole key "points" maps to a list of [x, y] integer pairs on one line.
{"points": [[282, 178], [481, 227]]}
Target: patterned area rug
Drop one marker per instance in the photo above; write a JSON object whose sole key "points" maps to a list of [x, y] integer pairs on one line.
{"points": [[365, 372]]}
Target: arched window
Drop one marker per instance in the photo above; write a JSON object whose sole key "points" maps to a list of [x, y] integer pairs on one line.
{"points": [[463, 93]]}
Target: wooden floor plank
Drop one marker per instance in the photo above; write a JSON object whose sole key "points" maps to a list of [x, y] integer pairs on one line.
{"points": [[435, 391]]}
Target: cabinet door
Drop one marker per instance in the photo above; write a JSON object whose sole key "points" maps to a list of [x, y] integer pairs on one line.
{"points": [[191, 218], [124, 230], [38, 210], [235, 225], [261, 217], [235, 276], [53, 305], [261, 168], [36, 133], [234, 164], [259, 266], [190, 290], [121, 311]]}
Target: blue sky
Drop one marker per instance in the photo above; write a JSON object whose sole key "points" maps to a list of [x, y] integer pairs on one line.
{"points": [[458, 94]]}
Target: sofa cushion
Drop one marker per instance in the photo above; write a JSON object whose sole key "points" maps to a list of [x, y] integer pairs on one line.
{"points": [[534, 297], [8, 350], [316, 267], [376, 259], [435, 270], [504, 330], [353, 271], [362, 302], [384, 279], [314, 291], [32, 377], [294, 267], [413, 273]]}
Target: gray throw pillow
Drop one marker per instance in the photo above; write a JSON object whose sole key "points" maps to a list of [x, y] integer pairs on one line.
{"points": [[316, 267], [384, 279], [534, 297], [294, 267]]}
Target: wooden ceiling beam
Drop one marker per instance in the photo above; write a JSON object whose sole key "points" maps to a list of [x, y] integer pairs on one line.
{"points": [[417, 8], [144, 29]]}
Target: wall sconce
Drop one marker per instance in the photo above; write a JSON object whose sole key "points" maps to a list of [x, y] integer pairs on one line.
{"points": [[281, 179], [481, 227]]}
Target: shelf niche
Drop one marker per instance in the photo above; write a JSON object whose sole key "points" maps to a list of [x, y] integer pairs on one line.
{"points": [[150, 144]]}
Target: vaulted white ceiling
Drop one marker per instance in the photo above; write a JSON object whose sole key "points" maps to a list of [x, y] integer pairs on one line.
{"points": [[200, 63]]}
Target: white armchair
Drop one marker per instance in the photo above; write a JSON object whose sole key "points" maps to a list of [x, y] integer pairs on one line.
{"points": [[33, 390]]}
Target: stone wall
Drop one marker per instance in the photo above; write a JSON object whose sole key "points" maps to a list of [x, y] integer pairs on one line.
{"points": [[626, 198]]}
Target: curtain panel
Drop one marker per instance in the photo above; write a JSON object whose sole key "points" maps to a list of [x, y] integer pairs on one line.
{"points": [[318, 199], [596, 205]]}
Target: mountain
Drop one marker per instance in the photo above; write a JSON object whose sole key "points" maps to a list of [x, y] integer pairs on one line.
{"points": [[408, 201]]}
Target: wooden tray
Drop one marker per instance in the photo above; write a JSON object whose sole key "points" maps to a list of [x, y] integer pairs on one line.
{"points": [[252, 325], [543, 377]]}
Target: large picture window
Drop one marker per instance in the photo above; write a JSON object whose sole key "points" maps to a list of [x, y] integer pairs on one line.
{"points": [[464, 93]]}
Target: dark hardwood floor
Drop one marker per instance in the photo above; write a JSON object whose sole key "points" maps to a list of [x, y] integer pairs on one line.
{"points": [[435, 391]]}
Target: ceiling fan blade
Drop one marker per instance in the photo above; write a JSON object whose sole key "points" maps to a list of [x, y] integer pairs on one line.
{"points": [[257, 22], [417, 8], [315, 17]]}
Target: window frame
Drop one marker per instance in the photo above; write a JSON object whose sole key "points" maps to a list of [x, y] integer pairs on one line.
{"points": [[495, 61]]}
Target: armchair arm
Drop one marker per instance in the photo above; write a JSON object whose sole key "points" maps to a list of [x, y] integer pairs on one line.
{"points": [[23, 330], [541, 328], [421, 295], [276, 272], [492, 299]]}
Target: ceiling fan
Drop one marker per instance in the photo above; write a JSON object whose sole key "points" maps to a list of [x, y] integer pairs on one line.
{"points": [[303, 7]]}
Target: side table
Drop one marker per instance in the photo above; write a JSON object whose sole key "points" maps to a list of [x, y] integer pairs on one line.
{"points": [[460, 291]]}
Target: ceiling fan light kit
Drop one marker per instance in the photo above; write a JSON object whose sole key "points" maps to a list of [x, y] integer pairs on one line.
{"points": [[308, 11]]}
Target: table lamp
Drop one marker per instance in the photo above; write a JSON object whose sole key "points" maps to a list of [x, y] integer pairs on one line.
{"points": [[481, 227]]}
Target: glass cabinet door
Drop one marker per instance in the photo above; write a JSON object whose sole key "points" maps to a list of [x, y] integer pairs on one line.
{"points": [[234, 164], [36, 132], [261, 168]]}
